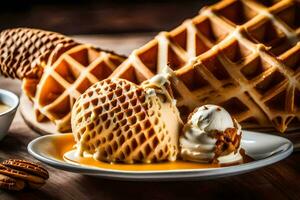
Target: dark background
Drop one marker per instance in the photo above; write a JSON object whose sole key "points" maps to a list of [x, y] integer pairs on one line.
{"points": [[98, 17]]}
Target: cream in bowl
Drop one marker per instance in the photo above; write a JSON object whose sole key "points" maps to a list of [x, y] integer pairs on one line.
{"points": [[8, 106], [4, 107]]}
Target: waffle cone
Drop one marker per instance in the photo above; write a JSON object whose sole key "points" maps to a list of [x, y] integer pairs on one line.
{"points": [[24, 49], [240, 54], [118, 121], [64, 78]]}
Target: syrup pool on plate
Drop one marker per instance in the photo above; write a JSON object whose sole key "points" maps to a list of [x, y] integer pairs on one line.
{"points": [[71, 157], [64, 150]]}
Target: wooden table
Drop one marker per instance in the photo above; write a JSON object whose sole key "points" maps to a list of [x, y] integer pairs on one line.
{"points": [[279, 181]]}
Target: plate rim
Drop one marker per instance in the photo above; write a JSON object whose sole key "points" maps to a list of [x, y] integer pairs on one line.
{"points": [[154, 174]]}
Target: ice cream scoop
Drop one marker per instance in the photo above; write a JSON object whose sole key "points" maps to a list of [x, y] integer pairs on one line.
{"points": [[211, 135]]}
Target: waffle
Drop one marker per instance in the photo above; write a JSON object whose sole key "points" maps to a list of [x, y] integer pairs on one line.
{"points": [[118, 121], [64, 78], [242, 55], [23, 48]]}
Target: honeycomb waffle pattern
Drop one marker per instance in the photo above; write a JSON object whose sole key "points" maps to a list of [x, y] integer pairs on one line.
{"points": [[243, 55], [65, 78], [117, 122], [20, 48]]}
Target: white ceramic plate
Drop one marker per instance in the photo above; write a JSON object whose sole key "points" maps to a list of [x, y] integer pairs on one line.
{"points": [[263, 148]]}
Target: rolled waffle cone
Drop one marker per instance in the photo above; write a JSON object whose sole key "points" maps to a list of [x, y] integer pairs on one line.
{"points": [[118, 121], [22, 50], [65, 77], [242, 55]]}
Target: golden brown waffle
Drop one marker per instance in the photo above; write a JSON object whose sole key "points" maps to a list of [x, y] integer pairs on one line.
{"points": [[243, 55], [65, 78], [21, 49], [118, 121]]}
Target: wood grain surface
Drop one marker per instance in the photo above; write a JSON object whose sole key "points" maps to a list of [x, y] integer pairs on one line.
{"points": [[279, 181]]}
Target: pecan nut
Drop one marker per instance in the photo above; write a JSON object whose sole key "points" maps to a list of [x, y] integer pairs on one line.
{"points": [[9, 183], [17, 174], [29, 167]]}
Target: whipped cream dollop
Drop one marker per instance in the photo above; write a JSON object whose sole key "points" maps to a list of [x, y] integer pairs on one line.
{"points": [[211, 135]]}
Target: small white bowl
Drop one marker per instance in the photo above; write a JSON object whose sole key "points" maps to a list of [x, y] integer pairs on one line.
{"points": [[6, 118]]}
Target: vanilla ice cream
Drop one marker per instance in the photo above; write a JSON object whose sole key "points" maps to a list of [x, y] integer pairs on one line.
{"points": [[211, 135]]}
